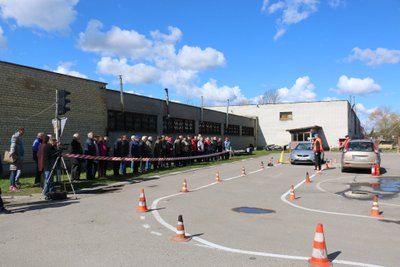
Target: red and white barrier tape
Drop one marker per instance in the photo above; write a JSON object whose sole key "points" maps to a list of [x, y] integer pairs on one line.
{"points": [[81, 156]]}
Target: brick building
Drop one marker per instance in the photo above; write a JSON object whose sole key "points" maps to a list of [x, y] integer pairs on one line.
{"points": [[28, 97]]}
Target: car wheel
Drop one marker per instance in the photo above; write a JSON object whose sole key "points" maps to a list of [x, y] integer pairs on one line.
{"points": [[343, 169]]}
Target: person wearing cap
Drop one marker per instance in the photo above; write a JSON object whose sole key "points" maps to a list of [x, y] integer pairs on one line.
{"points": [[317, 147]]}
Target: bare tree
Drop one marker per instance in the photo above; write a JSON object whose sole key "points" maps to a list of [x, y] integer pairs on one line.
{"points": [[386, 122], [271, 96]]}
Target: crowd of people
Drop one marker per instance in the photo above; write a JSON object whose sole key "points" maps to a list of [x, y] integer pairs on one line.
{"points": [[46, 151]]}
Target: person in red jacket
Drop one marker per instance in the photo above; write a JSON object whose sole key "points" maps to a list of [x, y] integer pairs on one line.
{"points": [[317, 151]]}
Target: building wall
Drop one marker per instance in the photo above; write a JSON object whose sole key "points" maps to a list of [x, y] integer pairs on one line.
{"points": [[27, 100], [146, 105], [335, 117]]}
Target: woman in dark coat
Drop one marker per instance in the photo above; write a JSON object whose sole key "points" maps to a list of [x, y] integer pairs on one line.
{"points": [[76, 164]]}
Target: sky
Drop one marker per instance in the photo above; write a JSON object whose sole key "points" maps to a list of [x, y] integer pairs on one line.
{"points": [[305, 50]]}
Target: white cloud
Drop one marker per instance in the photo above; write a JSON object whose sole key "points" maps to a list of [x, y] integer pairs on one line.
{"points": [[198, 59], [336, 3], [215, 95], [48, 15], [302, 90], [64, 68], [293, 12], [115, 42], [264, 5], [356, 86], [134, 74], [3, 40], [148, 59], [362, 109], [377, 57]]}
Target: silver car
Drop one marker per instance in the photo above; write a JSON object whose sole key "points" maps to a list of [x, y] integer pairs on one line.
{"points": [[304, 153], [360, 154]]}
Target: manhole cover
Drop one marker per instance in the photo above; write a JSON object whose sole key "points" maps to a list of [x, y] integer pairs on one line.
{"points": [[253, 210], [356, 194]]}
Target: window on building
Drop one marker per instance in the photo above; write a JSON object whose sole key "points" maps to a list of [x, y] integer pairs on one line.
{"points": [[208, 127], [248, 131], [285, 116], [128, 121], [232, 129], [176, 125]]}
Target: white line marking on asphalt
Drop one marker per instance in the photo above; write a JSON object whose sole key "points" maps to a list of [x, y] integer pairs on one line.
{"points": [[146, 226], [143, 217], [156, 233], [158, 217]]}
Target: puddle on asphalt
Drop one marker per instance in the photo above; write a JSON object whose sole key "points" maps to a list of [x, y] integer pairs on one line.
{"points": [[253, 210], [385, 187]]}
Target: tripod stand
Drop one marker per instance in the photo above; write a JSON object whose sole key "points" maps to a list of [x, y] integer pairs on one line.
{"points": [[54, 169]]}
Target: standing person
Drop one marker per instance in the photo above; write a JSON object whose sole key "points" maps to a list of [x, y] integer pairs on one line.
{"points": [[90, 150], [227, 147], [35, 149], [102, 153], [76, 148], [49, 158], [107, 146], [317, 151], [177, 150], [135, 153], [124, 154], [344, 144], [117, 153], [169, 150], [40, 155], [157, 152], [17, 153]]}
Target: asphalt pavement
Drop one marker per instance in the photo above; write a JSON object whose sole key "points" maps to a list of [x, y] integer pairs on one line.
{"points": [[245, 220]]}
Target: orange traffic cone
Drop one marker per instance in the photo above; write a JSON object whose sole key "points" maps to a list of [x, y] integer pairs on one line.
{"points": [[217, 177], [308, 178], [142, 202], [180, 232], [243, 171], [184, 186], [292, 196], [375, 208], [319, 257], [262, 165]]}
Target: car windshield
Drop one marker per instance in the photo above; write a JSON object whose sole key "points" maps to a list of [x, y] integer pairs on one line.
{"points": [[361, 146], [304, 146]]}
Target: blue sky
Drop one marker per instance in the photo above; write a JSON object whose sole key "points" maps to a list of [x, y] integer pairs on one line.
{"points": [[307, 50]]}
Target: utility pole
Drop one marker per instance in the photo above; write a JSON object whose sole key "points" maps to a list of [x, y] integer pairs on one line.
{"points": [[121, 93], [227, 115], [202, 110], [167, 102]]}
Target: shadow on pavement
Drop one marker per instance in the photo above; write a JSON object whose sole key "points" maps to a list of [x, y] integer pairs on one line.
{"points": [[332, 256], [38, 205]]}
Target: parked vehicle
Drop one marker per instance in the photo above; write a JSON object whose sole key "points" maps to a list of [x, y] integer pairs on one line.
{"points": [[360, 154], [386, 144], [304, 153]]}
